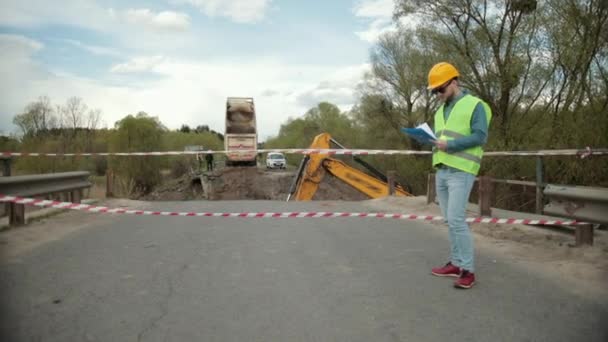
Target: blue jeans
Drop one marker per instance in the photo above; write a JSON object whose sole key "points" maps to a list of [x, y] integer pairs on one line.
{"points": [[453, 190]]}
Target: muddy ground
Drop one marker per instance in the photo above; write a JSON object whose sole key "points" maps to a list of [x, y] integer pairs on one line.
{"points": [[246, 183]]}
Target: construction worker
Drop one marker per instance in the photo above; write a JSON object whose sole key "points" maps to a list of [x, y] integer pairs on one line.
{"points": [[461, 127], [209, 159]]}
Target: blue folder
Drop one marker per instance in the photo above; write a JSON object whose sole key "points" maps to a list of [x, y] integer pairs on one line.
{"points": [[419, 135]]}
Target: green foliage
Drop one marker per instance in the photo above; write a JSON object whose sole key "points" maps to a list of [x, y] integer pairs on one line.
{"points": [[9, 143], [324, 118], [185, 129], [177, 141], [541, 65], [380, 124], [139, 133]]}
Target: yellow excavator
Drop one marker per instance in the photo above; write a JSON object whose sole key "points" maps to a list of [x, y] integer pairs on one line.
{"points": [[313, 167]]}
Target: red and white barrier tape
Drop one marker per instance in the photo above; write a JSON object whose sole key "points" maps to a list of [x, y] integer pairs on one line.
{"points": [[100, 209], [571, 152]]}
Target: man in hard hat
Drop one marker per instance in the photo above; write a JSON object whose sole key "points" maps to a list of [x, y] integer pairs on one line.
{"points": [[461, 127]]}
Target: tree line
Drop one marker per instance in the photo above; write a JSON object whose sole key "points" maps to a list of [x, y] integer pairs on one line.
{"points": [[542, 66], [74, 128]]}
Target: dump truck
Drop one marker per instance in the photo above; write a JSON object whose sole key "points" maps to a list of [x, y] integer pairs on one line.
{"points": [[241, 132]]}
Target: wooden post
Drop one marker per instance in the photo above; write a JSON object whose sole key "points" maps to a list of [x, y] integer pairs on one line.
{"points": [[539, 185], [485, 195], [6, 166], [16, 215], [584, 235], [109, 183], [431, 191], [6, 172], [76, 196], [390, 179]]}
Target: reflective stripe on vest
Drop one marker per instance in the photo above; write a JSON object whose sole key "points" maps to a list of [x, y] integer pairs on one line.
{"points": [[458, 126]]}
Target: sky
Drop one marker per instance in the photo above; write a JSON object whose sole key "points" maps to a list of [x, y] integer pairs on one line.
{"points": [[179, 59]]}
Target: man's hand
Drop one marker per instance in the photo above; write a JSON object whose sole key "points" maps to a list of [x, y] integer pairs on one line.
{"points": [[441, 144]]}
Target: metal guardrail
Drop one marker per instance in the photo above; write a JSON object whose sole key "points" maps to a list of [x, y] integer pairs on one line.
{"points": [[588, 204], [70, 183], [584, 203]]}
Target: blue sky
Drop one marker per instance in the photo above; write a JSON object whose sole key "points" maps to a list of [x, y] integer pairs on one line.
{"points": [[180, 59]]}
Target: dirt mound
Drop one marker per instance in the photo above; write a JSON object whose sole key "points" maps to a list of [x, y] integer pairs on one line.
{"points": [[252, 183], [241, 183], [333, 189], [175, 189], [246, 183]]}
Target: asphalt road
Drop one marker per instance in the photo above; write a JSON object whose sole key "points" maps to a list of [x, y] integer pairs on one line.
{"points": [[129, 278]]}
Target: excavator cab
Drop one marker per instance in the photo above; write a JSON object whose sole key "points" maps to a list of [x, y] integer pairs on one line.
{"points": [[313, 167]]}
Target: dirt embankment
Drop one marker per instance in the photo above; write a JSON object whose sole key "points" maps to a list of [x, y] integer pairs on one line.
{"points": [[246, 183]]}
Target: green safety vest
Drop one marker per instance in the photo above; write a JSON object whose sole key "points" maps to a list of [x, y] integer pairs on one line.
{"points": [[457, 126]]}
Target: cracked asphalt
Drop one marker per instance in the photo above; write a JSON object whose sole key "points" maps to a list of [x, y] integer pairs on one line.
{"points": [[133, 278]]}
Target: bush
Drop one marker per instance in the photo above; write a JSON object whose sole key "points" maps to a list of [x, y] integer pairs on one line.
{"points": [[180, 167], [134, 134]]}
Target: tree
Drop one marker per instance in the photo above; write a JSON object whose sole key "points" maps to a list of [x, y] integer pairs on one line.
{"points": [[73, 113], [136, 133], [578, 43], [38, 117], [400, 61], [520, 54], [490, 41], [201, 129], [93, 119], [185, 129]]}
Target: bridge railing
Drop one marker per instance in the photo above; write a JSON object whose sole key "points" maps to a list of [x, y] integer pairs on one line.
{"points": [[68, 185]]}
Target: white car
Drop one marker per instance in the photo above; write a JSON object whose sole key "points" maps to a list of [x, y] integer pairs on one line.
{"points": [[275, 160]]}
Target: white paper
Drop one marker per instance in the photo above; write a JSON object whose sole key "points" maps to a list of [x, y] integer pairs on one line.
{"points": [[425, 127]]}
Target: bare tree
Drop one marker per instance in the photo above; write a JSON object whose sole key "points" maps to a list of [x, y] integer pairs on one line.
{"points": [[37, 118], [73, 113], [492, 42], [522, 54], [94, 119], [400, 62]]}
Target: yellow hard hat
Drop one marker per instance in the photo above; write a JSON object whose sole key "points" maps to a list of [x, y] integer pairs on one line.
{"points": [[441, 73]]}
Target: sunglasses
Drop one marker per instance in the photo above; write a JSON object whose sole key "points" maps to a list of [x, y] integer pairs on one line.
{"points": [[441, 89]]}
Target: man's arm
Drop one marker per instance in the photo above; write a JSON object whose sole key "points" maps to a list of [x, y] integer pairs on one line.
{"points": [[479, 132]]}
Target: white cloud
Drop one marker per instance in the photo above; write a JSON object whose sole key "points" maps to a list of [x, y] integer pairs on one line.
{"points": [[241, 11], [15, 67], [166, 20], [376, 29], [94, 49], [86, 13], [16, 46], [374, 8], [270, 92], [338, 88], [35, 13], [139, 65], [190, 92], [378, 14]]}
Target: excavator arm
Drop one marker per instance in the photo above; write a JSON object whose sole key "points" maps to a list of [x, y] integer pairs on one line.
{"points": [[359, 180], [314, 166], [310, 172]]}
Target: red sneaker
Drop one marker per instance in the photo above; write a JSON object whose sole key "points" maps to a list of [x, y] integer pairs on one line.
{"points": [[448, 270], [466, 280]]}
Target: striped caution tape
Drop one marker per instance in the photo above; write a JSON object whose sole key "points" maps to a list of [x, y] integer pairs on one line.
{"points": [[583, 153], [101, 209]]}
